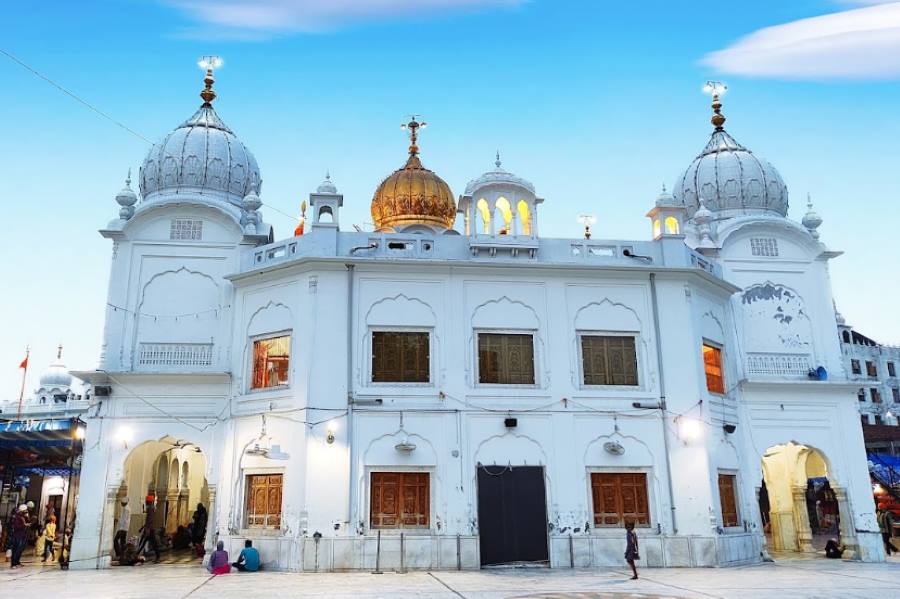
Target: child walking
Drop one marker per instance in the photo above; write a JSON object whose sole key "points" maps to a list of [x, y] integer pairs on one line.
{"points": [[631, 548]]}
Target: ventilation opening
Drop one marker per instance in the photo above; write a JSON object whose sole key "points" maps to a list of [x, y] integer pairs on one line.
{"points": [[397, 245]]}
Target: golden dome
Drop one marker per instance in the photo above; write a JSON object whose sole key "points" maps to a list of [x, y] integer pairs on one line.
{"points": [[413, 195]]}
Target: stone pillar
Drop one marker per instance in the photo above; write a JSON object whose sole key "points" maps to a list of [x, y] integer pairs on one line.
{"points": [[801, 519], [847, 524], [212, 525], [184, 510], [171, 511]]}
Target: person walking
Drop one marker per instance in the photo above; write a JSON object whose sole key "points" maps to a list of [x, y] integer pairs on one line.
{"points": [[122, 525], [248, 560], [19, 535], [49, 538], [148, 535], [631, 548], [886, 526]]}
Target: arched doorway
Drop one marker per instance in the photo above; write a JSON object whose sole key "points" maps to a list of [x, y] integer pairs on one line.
{"points": [[169, 474], [798, 501]]}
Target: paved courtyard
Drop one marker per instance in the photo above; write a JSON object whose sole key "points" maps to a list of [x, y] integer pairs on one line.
{"points": [[796, 579]]}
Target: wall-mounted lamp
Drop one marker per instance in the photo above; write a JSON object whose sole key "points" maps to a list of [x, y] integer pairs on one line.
{"points": [[79, 432], [689, 429], [124, 434], [329, 437]]}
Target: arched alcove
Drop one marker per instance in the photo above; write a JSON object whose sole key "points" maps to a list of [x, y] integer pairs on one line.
{"points": [[798, 505]]}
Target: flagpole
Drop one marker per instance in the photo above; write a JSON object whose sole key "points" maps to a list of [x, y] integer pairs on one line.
{"points": [[22, 389]]}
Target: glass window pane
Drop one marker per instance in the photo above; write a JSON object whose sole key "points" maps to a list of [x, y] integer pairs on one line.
{"points": [[271, 362], [400, 357], [712, 364], [609, 360], [506, 359]]}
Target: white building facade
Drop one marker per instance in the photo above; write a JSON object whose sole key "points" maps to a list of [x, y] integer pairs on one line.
{"points": [[422, 397]]}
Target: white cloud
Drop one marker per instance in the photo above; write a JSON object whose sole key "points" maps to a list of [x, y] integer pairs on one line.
{"points": [[861, 43], [254, 17]]}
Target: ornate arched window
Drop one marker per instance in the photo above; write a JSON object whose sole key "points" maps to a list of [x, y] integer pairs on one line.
{"points": [[505, 210], [672, 227], [485, 211], [524, 216]]}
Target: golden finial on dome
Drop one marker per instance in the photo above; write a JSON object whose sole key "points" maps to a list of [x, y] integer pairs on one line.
{"points": [[413, 127], [716, 89], [209, 63]]}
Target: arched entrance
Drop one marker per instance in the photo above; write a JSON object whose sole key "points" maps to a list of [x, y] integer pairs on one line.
{"points": [[800, 505], [168, 473]]}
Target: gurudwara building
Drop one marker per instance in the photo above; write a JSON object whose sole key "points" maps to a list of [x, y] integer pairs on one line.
{"points": [[427, 396]]}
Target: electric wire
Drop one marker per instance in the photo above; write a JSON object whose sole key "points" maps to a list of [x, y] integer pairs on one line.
{"points": [[103, 114]]}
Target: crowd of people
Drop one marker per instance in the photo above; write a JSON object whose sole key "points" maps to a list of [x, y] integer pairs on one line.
{"points": [[24, 527], [155, 540]]}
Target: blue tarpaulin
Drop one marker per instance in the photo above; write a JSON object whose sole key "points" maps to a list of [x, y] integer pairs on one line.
{"points": [[885, 467], [44, 437]]}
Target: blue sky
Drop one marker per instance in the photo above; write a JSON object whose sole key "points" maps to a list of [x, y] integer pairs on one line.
{"points": [[597, 102]]}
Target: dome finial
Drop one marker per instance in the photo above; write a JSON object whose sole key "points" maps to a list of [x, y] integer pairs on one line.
{"points": [[811, 220], [209, 63], [413, 127], [128, 179], [497, 163], [716, 89], [59, 352]]}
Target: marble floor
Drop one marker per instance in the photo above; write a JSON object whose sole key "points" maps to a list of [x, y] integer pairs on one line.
{"points": [[785, 579]]}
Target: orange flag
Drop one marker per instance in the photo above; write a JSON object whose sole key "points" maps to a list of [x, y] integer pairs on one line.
{"points": [[24, 363]]}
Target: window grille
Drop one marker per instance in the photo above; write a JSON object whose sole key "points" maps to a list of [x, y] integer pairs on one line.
{"points": [[186, 229], [506, 359], [764, 246], [400, 357], [609, 360]]}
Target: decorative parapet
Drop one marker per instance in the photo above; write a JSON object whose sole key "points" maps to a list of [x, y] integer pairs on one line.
{"points": [[772, 364], [153, 356]]}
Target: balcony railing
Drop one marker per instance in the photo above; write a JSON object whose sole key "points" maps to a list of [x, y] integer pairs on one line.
{"points": [[174, 355], [771, 364]]}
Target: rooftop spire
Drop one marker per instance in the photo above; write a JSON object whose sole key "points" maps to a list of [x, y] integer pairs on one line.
{"points": [[209, 63], [413, 127], [716, 89], [59, 352], [497, 163]]}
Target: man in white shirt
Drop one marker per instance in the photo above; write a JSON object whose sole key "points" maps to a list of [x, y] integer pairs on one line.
{"points": [[122, 529]]}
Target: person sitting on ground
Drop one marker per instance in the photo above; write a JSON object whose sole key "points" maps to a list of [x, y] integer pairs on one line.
{"points": [[833, 549], [218, 561], [130, 555], [181, 539], [248, 560]]}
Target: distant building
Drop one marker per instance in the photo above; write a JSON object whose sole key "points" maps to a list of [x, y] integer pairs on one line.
{"points": [[39, 449], [874, 367], [473, 396]]}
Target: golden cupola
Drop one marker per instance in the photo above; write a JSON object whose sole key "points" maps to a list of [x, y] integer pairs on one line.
{"points": [[413, 195]]}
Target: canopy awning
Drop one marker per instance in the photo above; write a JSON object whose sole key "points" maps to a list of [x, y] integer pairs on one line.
{"points": [[49, 438]]}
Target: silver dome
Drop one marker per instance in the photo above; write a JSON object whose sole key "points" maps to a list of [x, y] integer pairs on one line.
{"points": [[56, 376], [201, 156], [731, 180], [497, 176]]}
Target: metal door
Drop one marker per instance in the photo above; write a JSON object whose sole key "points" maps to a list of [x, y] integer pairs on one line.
{"points": [[512, 514]]}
